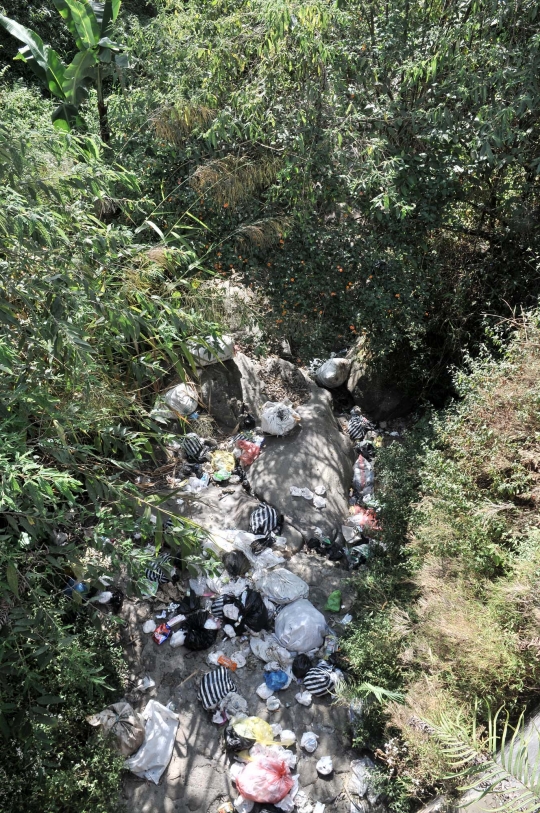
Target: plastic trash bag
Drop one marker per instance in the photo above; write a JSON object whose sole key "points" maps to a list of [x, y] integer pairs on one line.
{"points": [[235, 742], [264, 692], [255, 611], [266, 779], [254, 728], [364, 518], [264, 519], [149, 626], [309, 742], [273, 704], [363, 475], [267, 648], [301, 666], [182, 399], [333, 373], [278, 418], [287, 737], [300, 627], [320, 679], [281, 586], [236, 563], [197, 636], [304, 698], [152, 759], [221, 349], [276, 680], [249, 452], [178, 639], [189, 604], [324, 766], [214, 687], [124, 723], [242, 805], [333, 603], [223, 461]]}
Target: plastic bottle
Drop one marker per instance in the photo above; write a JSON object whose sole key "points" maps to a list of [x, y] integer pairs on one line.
{"points": [[224, 661]]}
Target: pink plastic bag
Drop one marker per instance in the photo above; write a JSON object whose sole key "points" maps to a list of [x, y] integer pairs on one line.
{"points": [[266, 779], [250, 452], [365, 518]]}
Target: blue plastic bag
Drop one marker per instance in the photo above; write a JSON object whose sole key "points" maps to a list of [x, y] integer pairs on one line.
{"points": [[276, 680]]}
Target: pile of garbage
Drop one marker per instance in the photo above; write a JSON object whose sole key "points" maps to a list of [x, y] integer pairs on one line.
{"points": [[252, 609]]}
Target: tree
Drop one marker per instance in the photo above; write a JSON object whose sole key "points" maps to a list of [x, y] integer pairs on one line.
{"points": [[90, 24]]}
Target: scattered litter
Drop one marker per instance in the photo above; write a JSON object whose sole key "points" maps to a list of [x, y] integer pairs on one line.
{"points": [[333, 603], [346, 619], [249, 452], [264, 691], [264, 520], [229, 631], [278, 418], [277, 728], [212, 351], [324, 766], [149, 626], [182, 399], [223, 461], [287, 737], [254, 728], [124, 723], [309, 742], [319, 808], [267, 648], [239, 659], [178, 639], [226, 807], [198, 585], [211, 624], [277, 680], [234, 705], [152, 758], [273, 704], [321, 679], [300, 627], [304, 698], [319, 502], [228, 663], [235, 742], [320, 491], [214, 687], [161, 634], [302, 803], [281, 586], [333, 373], [242, 805], [145, 684]]}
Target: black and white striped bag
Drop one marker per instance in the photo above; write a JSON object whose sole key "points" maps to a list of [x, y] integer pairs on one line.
{"points": [[214, 687], [216, 608], [160, 570], [264, 520], [318, 680], [193, 446], [358, 427]]}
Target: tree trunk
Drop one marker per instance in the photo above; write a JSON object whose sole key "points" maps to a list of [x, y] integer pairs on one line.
{"points": [[104, 131]]}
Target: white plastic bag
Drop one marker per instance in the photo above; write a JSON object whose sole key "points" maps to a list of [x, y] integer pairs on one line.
{"points": [[324, 766], [281, 586], [182, 399], [152, 758], [273, 704], [124, 723], [300, 627], [149, 626], [278, 418], [264, 692], [222, 350], [178, 638], [333, 373], [304, 698], [266, 647], [309, 742], [287, 737]]}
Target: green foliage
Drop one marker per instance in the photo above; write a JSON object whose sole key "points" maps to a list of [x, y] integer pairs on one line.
{"points": [[392, 154], [93, 324], [90, 25]]}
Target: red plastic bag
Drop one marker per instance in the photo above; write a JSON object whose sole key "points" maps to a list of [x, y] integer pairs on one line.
{"points": [[266, 779], [250, 452], [365, 518]]}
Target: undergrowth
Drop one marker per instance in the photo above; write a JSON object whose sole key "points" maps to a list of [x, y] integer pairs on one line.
{"points": [[450, 613]]}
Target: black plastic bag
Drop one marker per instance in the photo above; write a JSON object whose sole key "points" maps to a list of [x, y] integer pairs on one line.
{"points": [[255, 612], [234, 742], [236, 563], [189, 604], [313, 543], [301, 666], [335, 553], [197, 637], [260, 544]]}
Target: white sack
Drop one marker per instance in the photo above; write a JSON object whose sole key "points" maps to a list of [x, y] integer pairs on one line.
{"points": [[222, 350], [281, 586], [152, 758], [278, 418], [300, 627], [333, 373], [182, 399]]}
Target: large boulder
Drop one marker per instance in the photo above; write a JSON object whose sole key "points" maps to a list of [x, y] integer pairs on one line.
{"points": [[315, 454], [221, 392], [376, 394], [254, 394]]}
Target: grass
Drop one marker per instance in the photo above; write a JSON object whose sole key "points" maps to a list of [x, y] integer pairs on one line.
{"points": [[454, 605]]}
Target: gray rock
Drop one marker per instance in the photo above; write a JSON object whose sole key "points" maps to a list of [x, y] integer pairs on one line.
{"points": [[377, 397], [253, 391], [295, 539], [315, 454], [221, 392]]}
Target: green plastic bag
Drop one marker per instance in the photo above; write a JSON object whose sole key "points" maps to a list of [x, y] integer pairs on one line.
{"points": [[334, 602]]}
